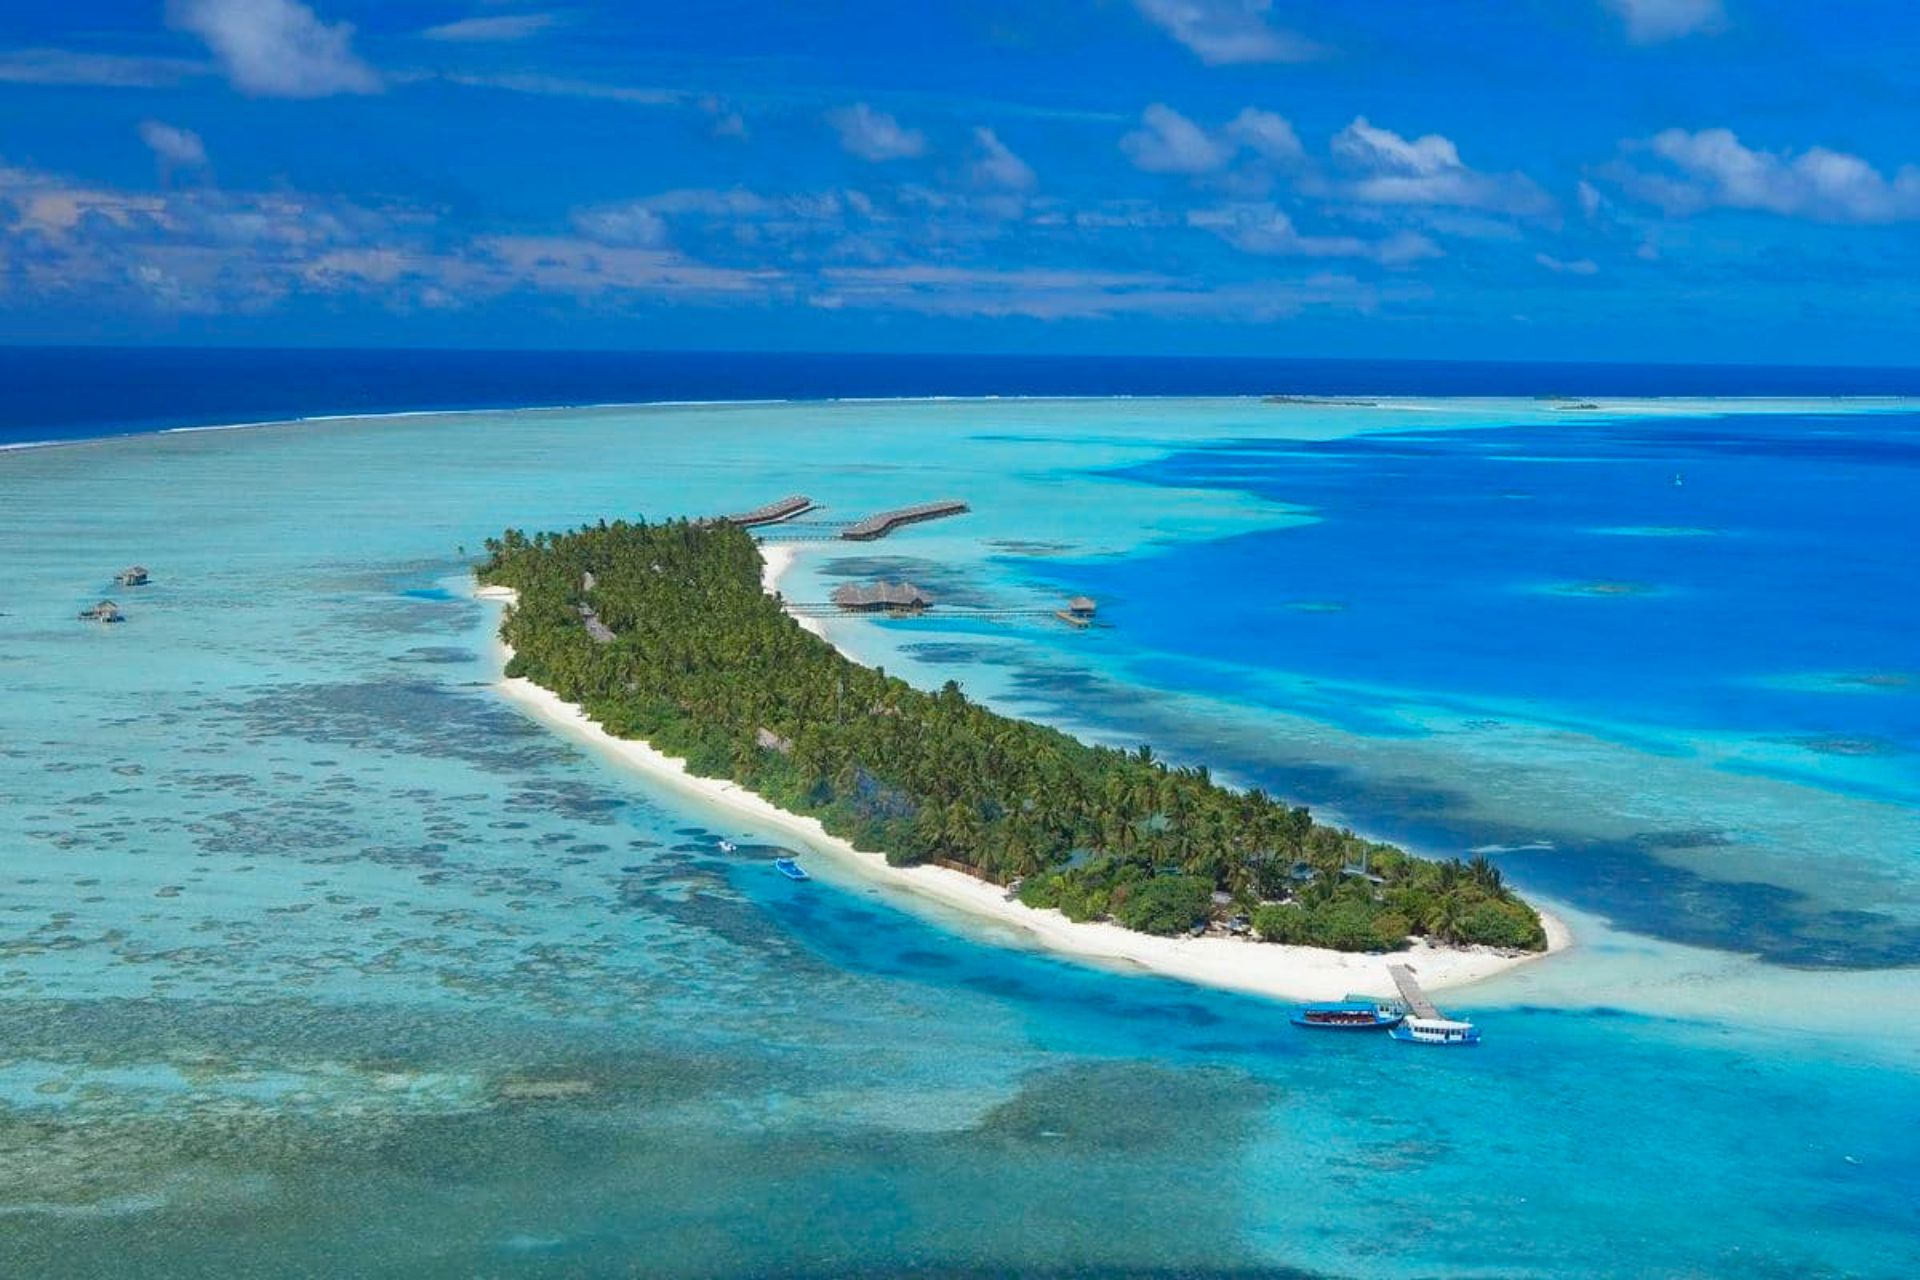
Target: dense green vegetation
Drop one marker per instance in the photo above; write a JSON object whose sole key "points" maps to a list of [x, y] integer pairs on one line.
{"points": [[708, 667]]}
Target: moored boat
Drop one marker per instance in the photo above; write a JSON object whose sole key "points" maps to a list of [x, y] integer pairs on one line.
{"points": [[790, 869], [1444, 1031], [1347, 1015]]}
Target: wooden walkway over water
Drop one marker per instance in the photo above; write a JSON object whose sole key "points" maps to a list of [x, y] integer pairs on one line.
{"points": [[1410, 991]]}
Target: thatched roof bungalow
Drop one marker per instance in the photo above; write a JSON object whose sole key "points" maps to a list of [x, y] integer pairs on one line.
{"points": [[881, 596], [132, 576], [600, 631], [882, 523], [1081, 606], [105, 611]]}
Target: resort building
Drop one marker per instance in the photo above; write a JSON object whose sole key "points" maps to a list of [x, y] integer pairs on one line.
{"points": [[891, 597], [132, 576], [105, 611]]}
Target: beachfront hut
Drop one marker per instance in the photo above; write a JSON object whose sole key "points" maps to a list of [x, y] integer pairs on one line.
{"points": [[600, 631], [881, 597], [1081, 606], [132, 576], [105, 611]]}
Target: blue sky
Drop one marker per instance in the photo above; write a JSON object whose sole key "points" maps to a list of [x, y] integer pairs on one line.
{"points": [[1713, 180]]}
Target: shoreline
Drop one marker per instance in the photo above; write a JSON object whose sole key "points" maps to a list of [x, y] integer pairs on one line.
{"points": [[1259, 968], [1628, 404]]}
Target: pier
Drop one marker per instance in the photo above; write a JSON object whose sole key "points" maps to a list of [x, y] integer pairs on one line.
{"points": [[772, 513], [1410, 991], [882, 523]]}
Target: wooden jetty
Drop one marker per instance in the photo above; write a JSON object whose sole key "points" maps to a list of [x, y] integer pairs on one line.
{"points": [[772, 513], [1410, 991], [882, 523]]}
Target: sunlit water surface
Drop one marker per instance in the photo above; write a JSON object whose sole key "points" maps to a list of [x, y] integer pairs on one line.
{"points": [[318, 959]]}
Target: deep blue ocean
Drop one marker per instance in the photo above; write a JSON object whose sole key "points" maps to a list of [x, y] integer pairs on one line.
{"points": [[66, 393]]}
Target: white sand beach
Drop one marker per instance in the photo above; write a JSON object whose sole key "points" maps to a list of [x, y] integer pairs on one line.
{"points": [[1282, 972]]}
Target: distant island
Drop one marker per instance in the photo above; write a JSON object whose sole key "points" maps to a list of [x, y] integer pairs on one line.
{"points": [[663, 633]]}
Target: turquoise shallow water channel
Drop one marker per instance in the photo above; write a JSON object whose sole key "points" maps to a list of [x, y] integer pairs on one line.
{"points": [[318, 958]]}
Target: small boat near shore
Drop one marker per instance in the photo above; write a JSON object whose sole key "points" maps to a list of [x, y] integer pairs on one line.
{"points": [[1348, 1015], [790, 869], [728, 846], [1441, 1031]]}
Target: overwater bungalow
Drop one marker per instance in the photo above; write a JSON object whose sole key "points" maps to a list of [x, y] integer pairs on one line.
{"points": [[1078, 613], [785, 509], [105, 611], [880, 524], [132, 576], [881, 597]]}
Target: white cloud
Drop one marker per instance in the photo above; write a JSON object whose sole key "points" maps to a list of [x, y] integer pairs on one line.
{"points": [[1591, 201], [996, 165], [62, 66], [497, 28], [727, 122], [277, 48], [565, 87], [1428, 170], [1386, 151], [1266, 135], [875, 135], [1651, 21], [1713, 169], [1221, 32], [1168, 142], [174, 146], [1269, 231], [632, 225], [1054, 293], [1560, 266]]}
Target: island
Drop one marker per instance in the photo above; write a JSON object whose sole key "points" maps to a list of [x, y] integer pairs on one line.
{"points": [[663, 634]]}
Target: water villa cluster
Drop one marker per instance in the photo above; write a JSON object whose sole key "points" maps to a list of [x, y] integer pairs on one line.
{"points": [[107, 610]]}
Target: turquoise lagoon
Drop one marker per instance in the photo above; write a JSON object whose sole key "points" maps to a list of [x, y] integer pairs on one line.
{"points": [[319, 959]]}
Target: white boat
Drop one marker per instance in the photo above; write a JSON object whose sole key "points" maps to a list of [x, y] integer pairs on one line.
{"points": [[728, 846], [1436, 1031]]}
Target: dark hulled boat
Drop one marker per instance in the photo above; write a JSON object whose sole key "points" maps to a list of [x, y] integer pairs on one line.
{"points": [[1347, 1015]]}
